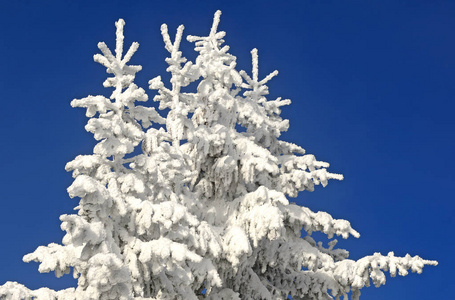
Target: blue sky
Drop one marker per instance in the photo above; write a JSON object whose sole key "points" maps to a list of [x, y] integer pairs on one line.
{"points": [[372, 85]]}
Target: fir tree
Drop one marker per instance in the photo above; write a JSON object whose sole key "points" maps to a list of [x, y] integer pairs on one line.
{"points": [[202, 212]]}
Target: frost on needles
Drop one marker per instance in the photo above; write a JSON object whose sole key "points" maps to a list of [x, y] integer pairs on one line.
{"points": [[202, 212]]}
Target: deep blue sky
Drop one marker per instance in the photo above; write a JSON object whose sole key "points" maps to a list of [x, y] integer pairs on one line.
{"points": [[372, 85]]}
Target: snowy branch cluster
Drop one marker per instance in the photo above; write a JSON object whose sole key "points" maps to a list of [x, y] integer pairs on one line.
{"points": [[195, 205]]}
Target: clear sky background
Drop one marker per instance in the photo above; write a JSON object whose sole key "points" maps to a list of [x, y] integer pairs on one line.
{"points": [[372, 85]]}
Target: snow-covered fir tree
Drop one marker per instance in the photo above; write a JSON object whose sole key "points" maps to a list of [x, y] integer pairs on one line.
{"points": [[203, 211]]}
